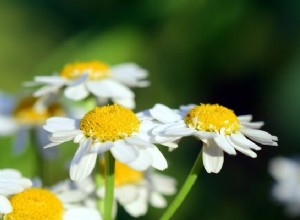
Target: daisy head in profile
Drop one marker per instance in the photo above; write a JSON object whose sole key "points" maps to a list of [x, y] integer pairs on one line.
{"points": [[39, 203], [135, 190], [21, 116], [217, 126], [11, 182], [80, 79], [112, 127]]}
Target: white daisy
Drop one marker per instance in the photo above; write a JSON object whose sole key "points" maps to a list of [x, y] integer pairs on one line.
{"points": [[19, 117], [11, 182], [79, 79], [38, 203], [286, 189], [218, 127], [134, 190], [111, 127]]}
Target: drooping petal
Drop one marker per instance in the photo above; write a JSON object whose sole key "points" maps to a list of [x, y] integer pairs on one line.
{"points": [[143, 161], [99, 147], [245, 150], [241, 140], [139, 206], [158, 160], [255, 125], [157, 200], [82, 169], [213, 157], [124, 152], [245, 118], [259, 136], [222, 142]]}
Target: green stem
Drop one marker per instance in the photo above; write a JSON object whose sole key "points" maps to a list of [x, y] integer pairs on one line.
{"points": [[185, 189], [109, 185]]}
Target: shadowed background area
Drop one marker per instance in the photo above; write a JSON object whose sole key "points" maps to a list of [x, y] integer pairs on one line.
{"points": [[242, 54]]}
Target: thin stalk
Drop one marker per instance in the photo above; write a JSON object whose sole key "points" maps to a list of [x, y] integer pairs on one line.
{"points": [[185, 189], [38, 156], [109, 184]]}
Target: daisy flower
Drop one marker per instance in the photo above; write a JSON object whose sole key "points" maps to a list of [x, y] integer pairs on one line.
{"points": [[11, 182], [134, 190], [217, 126], [20, 117], [38, 203], [286, 190], [79, 79], [114, 128]]}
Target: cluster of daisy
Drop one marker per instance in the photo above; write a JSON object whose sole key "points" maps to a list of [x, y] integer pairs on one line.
{"points": [[113, 141]]}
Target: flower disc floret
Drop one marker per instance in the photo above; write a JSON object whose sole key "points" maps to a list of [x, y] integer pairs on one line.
{"points": [[35, 204], [26, 111], [212, 118], [96, 70], [109, 123]]}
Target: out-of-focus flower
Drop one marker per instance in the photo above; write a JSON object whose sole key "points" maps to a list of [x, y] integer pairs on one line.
{"points": [[134, 190], [38, 203], [21, 117], [79, 79], [111, 127], [217, 126], [11, 182], [286, 190]]}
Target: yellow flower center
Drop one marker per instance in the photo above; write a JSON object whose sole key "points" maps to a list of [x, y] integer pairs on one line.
{"points": [[26, 112], [124, 174], [212, 118], [96, 70], [35, 204], [109, 123]]}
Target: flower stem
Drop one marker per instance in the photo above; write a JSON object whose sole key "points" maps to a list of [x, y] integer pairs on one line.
{"points": [[109, 185], [185, 189], [38, 156]]}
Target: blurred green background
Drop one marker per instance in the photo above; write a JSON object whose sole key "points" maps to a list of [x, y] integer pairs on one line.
{"points": [[243, 54]]}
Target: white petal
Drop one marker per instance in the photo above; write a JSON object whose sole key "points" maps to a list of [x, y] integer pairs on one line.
{"points": [[127, 193], [80, 213], [157, 200], [255, 125], [124, 152], [164, 114], [126, 102], [60, 124], [63, 136], [213, 157], [136, 141], [80, 80], [159, 161], [79, 171], [139, 206], [82, 150], [245, 118], [143, 161], [50, 79], [245, 150], [241, 140], [203, 135], [45, 90], [164, 184], [109, 88], [222, 142], [5, 206], [8, 125], [76, 93], [99, 147], [259, 136], [180, 132]]}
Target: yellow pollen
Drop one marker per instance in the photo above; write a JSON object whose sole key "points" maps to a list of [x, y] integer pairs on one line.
{"points": [[96, 70], [26, 112], [109, 123], [124, 174], [212, 118], [35, 204]]}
